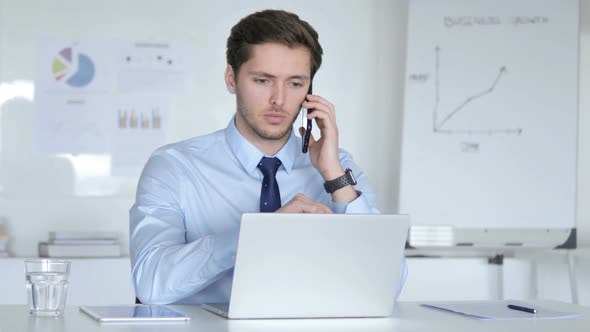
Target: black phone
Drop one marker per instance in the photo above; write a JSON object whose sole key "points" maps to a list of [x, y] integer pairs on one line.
{"points": [[307, 133]]}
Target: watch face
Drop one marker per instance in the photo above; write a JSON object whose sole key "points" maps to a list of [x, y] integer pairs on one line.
{"points": [[340, 182], [351, 176]]}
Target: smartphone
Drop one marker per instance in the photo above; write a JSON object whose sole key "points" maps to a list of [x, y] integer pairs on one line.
{"points": [[307, 134]]}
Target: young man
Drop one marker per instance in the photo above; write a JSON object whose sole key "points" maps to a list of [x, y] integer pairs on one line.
{"points": [[184, 224]]}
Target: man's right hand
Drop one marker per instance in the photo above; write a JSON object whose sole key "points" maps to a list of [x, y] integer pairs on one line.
{"points": [[302, 204]]}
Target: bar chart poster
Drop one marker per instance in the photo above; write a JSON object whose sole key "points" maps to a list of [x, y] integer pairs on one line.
{"points": [[490, 113]]}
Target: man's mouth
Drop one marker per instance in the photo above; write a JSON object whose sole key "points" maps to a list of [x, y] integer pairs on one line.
{"points": [[275, 118]]}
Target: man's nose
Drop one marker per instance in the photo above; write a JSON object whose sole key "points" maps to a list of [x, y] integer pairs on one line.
{"points": [[278, 96]]}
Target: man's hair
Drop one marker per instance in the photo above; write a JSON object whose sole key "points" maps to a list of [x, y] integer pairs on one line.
{"points": [[271, 26]]}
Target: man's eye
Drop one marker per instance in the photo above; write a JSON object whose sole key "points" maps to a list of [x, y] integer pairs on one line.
{"points": [[261, 80], [296, 84]]}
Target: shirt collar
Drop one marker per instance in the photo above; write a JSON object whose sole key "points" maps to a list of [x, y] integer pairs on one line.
{"points": [[249, 155]]}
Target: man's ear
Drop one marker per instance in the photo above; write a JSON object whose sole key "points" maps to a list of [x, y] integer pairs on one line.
{"points": [[230, 79]]}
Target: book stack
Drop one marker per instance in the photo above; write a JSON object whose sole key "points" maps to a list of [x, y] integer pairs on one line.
{"points": [[81, 244], [3, 241]]}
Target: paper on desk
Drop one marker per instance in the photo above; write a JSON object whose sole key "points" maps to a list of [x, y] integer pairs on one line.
{"points": [[497, 310]]}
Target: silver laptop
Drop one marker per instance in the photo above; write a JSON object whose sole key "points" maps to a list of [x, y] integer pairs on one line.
{"points": [[316, 265]]}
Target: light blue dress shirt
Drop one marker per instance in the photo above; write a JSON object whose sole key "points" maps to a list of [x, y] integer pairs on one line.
{"points": [[190, 197]]}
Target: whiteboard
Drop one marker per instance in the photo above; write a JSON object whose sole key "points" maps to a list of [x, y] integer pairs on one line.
{"points": [[489, 133]]}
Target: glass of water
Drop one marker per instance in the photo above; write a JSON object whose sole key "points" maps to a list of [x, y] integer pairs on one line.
{"points": [[47, 285]]}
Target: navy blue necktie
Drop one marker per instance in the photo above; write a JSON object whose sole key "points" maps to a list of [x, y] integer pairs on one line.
{"points": [[270, 196]]}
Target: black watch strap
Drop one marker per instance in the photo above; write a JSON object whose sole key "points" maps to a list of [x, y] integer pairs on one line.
{"points": [[340, 182]]}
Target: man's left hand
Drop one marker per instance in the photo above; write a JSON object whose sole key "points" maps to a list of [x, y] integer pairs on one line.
{"points": [[324, 152]]}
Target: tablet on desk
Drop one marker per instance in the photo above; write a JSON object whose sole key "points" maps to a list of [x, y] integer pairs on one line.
{"points": [[134, 313]]}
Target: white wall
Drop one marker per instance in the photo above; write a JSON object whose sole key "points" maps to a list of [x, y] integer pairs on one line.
{"points": [[583, 218], [361, 75], [103, 281], [106, 281], [365, 81], [435, 279]]}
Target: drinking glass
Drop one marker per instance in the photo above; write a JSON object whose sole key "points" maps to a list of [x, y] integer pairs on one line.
{"points": [[47, 285]]}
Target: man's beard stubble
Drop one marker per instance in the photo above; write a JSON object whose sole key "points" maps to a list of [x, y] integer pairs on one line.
{"points": [[242, 111]]}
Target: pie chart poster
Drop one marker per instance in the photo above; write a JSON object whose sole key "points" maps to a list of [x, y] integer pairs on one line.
{"points": [[78, 67], [74, 81]]}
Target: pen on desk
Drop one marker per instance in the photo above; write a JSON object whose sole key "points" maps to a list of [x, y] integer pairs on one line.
{"points": [[525, 309]]}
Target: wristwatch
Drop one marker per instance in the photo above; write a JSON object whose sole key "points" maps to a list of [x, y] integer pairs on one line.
{"points": [[340, 182]]}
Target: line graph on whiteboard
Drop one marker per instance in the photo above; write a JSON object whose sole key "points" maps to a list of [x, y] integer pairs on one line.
{"points": [[441, 121], [490, 115]]}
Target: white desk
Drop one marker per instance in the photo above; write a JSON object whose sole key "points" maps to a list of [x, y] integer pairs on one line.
{"points": [[408, 316]]}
